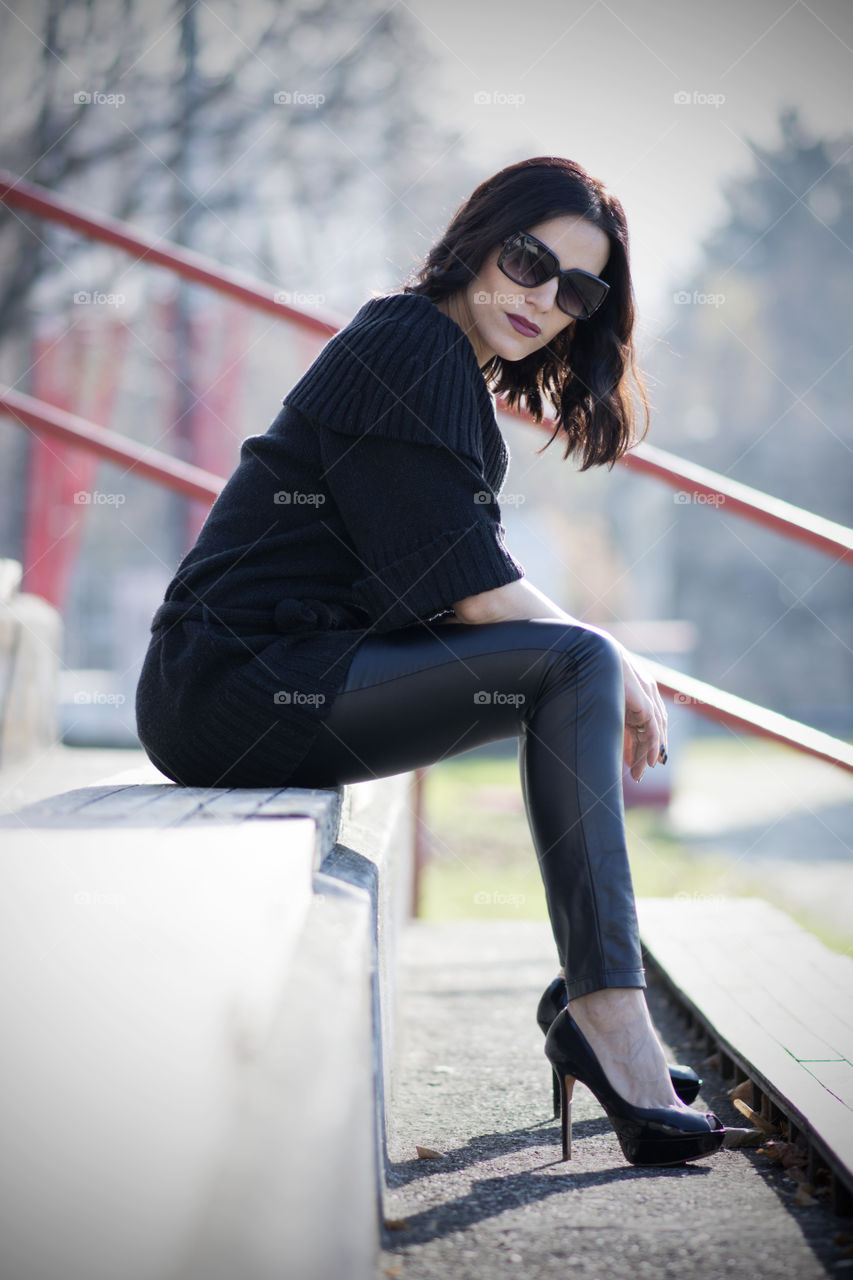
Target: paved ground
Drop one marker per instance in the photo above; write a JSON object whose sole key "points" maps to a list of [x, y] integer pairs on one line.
{"points": [[473, 1083], [774, 814]]}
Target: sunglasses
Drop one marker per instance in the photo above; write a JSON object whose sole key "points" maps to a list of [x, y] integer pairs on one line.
{"points": [[527, 261]]}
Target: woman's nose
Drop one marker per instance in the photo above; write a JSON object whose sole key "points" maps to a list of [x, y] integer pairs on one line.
{"points": [[546, 294]]}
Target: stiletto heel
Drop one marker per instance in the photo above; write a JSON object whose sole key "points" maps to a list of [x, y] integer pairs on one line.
{"points": [[647, 1135], [566, 1084], [556, 1080], [555, 997]]}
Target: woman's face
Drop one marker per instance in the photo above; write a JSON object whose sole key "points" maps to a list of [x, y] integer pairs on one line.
{"points": [[492, 297]]}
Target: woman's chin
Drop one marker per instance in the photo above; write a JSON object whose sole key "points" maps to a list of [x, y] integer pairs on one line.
{"points": [[511, 348]]}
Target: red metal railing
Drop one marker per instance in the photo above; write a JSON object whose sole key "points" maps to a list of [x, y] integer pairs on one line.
{"points": [[790, 521], [58, 424]]}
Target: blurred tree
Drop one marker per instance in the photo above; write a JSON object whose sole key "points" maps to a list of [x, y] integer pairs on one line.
{"points": [[246, 131], [289, 140], [753, 380]]}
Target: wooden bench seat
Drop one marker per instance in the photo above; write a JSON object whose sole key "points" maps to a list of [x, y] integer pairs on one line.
{"points": [[779, 1006]]}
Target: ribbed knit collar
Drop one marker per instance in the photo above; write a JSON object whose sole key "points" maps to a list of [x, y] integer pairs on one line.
{"points": [[495, 453]]}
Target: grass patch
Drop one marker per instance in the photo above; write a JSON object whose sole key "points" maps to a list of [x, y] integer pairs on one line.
{"points": [[481, 855], [482, 863]]}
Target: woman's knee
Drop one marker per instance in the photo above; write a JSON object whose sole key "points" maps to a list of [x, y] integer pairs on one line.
{"points": [[590, 644]]}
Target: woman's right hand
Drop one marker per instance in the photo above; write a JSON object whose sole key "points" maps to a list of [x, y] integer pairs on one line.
{"points": [[645, 718], [645, 714]]}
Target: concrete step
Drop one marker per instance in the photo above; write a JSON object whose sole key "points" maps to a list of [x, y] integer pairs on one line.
{"points": [[197, 990]]}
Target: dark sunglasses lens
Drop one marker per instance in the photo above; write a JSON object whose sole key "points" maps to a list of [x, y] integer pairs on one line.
{"points": [[527, 264], [580, 295]]}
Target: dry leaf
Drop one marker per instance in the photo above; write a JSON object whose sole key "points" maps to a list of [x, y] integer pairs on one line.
{"points": [[741, 1091], [756, 1120], [804, 1197], [393, 1272], [396, 1224], [772, 1149], [427, 1153], [712, 1063], [743, 1137]]}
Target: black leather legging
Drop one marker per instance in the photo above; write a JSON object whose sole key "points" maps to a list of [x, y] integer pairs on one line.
{"points": [[426, 692]]}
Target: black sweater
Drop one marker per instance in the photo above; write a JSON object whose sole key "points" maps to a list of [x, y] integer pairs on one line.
{"points": [[369, 504]]}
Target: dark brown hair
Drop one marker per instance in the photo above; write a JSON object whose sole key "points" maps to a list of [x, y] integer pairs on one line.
{"points": [[583, 373]]}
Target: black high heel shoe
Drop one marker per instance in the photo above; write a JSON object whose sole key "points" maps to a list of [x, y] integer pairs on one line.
{"points": [[685, 1081], [647, 1135]]}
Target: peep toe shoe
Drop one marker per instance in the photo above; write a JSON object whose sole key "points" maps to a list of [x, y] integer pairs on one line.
{"points": [[647, 1135], [685, 1081]]}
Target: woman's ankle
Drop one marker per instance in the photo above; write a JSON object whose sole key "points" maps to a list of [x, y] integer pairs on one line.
{"points": [[617, 1023], [611, 1007]]}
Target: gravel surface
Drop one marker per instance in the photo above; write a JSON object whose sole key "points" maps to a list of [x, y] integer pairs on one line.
{"points": [[472, 1082]]}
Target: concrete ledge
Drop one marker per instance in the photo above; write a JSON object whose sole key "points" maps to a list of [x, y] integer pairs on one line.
{"points": [[198, 997], [30, 646]]}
